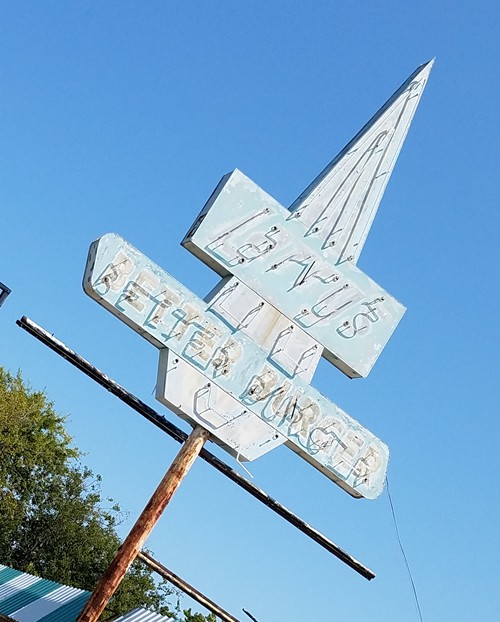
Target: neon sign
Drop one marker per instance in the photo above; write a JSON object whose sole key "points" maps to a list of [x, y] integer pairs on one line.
{"points": [[240, 362], [245, 232], [166, 313]]}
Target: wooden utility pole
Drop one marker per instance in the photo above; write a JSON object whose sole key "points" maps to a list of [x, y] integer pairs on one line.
{"points": [[133, 543]]}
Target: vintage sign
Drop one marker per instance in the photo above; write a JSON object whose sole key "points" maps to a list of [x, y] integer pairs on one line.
{"points": [[302, 260], [166, 313], [240, 362]]}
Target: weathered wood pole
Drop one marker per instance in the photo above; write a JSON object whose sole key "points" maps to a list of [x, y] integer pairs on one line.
{"points": [[133, 543]]}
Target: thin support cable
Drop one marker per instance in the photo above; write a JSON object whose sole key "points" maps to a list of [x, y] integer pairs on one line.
{"points": [[403, 553]]}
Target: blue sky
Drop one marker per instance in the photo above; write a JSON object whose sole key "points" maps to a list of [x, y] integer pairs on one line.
{"points": [[123, 116]]}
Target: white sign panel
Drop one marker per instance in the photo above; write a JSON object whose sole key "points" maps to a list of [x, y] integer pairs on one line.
{"points": [[191, 395], [166, 313], [244, 231], [240, 363]]}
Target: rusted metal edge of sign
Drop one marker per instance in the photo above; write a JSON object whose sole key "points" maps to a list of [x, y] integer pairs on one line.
{"points": [[180, 436]]}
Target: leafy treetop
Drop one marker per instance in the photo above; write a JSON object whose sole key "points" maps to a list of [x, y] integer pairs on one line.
{"points": [[55, 523]]}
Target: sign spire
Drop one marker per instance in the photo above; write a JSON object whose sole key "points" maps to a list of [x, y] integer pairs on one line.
{"points": [[337, 209]]}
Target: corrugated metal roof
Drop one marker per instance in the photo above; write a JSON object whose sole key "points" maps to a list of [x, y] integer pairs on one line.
{"points": [[26, 598], [142, 615]]}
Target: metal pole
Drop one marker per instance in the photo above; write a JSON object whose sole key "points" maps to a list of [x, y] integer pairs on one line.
{"points": [[180, 436], [133, 543], [4, 292], [167, 574]]}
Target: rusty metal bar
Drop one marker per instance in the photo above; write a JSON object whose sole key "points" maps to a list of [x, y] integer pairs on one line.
{"points": [[180, 436], [188, 589]]}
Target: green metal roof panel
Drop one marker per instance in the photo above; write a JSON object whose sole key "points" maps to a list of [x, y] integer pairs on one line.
{"points": [[143, 615], [69, 611], [27, 598], [6, 574], [33, 592]]}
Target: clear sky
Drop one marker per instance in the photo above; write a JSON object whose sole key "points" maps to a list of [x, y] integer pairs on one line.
{"points": [[122, 116]]}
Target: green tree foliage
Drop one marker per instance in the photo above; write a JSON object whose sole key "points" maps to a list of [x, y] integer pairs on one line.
{"points": [[54, 521], [198, 617]]}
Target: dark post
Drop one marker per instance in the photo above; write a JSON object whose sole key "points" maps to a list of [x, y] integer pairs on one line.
{"points": [[4, 292]]}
